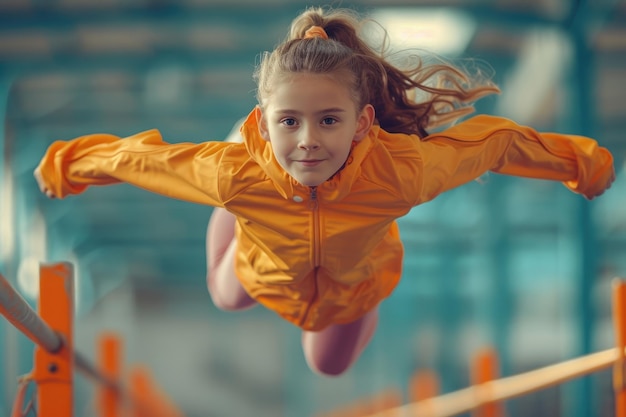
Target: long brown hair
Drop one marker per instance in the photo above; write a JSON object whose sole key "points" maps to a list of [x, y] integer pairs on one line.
{"points": [[409, 100]]}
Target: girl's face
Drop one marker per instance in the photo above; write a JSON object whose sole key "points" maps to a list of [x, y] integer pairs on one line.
{"points": [[311, 122]]}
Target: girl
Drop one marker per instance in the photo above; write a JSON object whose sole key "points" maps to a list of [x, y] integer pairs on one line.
{"points": [[333, 154]]}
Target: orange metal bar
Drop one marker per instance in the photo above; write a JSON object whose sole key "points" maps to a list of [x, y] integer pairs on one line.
{"points": [[19, 313], [109, 396], [485, 369], [55, 359], [53, 371], [619, 324]]}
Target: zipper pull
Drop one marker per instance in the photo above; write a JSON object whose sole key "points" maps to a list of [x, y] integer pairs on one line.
{"points": [[313, 198]]}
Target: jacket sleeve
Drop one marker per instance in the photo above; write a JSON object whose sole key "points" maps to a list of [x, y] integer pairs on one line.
{"points": [[487, 143], [185, 171]]}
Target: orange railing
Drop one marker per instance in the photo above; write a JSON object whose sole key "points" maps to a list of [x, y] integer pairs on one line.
{"points": [[55, 360], [485, 395]]}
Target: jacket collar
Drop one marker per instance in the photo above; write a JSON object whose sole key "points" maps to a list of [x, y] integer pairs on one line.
{"points": [[334, 189]]}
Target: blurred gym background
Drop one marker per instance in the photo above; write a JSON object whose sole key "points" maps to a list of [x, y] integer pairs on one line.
{"points": [[520, 265]]}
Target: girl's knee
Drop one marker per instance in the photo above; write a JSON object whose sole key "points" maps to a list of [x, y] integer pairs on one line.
{"points": [[224, 305], [230, 297], [234, 304], [328, 365], [329, 353], [332, 351]]}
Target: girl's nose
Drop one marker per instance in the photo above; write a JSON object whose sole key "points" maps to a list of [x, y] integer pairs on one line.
{"points": [[308, 141], [309, 146]]}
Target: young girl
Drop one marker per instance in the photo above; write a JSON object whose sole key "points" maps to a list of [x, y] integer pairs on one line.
{"points": [[336, 150]]}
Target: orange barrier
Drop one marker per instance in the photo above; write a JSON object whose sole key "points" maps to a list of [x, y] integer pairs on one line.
{"points": [[55, 359], [485, 396], [482, 394]]}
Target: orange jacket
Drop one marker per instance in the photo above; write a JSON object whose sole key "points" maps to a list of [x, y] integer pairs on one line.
{"points": [[324, 255]]}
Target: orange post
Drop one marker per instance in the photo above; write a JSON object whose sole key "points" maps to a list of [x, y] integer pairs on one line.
{"points": [[386, 402], [619, 324], [484, 369], [146, 397], [109, 396], [53, 370], [424, 384]]}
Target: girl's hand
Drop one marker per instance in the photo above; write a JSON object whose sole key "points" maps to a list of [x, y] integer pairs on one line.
{"points": [[608, 185], [41, 184]]}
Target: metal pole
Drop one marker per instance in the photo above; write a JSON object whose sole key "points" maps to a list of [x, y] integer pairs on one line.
{"points": [[25, 319]]}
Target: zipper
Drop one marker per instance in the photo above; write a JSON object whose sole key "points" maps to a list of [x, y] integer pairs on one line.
{"points": [[314, 205], [316, 244]]}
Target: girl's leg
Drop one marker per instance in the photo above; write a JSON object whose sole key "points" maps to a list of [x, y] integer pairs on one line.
{"points": [[224, 287], [333, 350]]}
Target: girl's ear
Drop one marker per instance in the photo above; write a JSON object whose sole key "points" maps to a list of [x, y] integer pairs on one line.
{"points": [[364, 122], [262, 123]]}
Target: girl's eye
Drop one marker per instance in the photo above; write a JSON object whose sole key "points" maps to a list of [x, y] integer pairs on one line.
{"points": [[329, 120], [288, 122]]}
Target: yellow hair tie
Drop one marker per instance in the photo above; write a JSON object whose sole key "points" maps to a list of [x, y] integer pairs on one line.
{"points": [[315, 32]]}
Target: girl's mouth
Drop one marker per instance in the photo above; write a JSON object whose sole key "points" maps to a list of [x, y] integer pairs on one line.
{"points": [[310, 162]]}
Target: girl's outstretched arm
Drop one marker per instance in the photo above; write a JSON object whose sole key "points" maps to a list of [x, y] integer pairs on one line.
{"points": [[486, 143], [186, 171]]}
